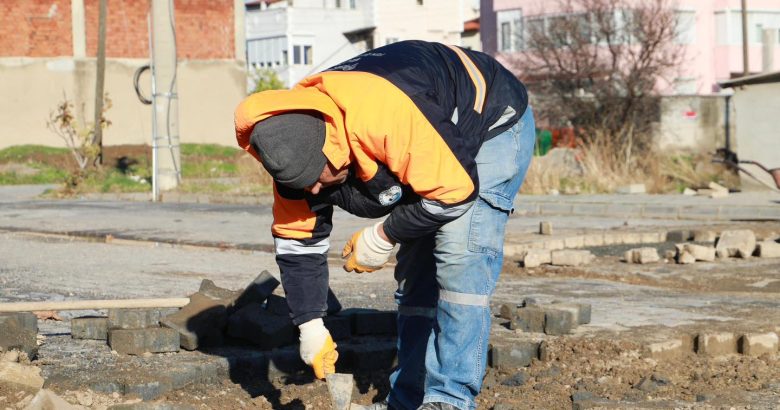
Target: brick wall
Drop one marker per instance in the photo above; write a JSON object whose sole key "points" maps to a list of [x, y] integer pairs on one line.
{"points": [[28, 29], [204, 28]]}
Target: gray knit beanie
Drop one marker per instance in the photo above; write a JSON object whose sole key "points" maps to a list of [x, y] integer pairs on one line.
{"points": [[290, 147]]}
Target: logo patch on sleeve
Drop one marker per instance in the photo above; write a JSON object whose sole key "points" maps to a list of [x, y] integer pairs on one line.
{"points": [[390, 195]]}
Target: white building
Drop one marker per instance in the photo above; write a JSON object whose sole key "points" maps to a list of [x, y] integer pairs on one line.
{"points": [[297, 38]]}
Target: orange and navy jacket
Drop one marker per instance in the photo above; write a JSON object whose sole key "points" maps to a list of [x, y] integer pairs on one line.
{"points": [[408, 120]]}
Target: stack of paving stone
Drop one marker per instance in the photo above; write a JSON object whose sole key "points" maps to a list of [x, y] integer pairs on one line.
{"points": [[217, 316], [529, 317]]}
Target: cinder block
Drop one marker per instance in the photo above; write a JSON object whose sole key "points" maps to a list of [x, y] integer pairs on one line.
{"points": [[756, 344], [519, 354], [536, 257], [769, 249], [133, 318], [641, 255], [200, 323], [375, 322], [679, 236], [571, 258], [89, 327], [737, 242], [545, 228], [340, 327], [581, 311], [140, 341], [699, 252], [266, 330], [716, 344], [558, 322], [19, 331], [574, 242], [257, 291], [529, 320]]}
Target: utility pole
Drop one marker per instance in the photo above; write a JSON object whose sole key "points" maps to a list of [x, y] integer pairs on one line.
{"points": [[100, 74], [745, 54]]}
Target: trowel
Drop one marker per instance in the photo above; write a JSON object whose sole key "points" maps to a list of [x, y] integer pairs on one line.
{"points": [[340, 388]]}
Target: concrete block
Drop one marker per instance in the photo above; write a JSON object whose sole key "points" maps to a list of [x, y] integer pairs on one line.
{"points": [[685, 258], [257, 291], [89, 327], [21, 375], [768, 249], [679, 236], [375, 322], [558, 322], [19, 331], [140, 341], [574, 242], [631, 189], [581, 311], [536, 257], [641, 255], [737, 242], [266, 330], [133, 318], [699, 252], [716, 344], [528, 319], [519, 354], [545, 228], [200, 323], [666, 350], [571, 258], [756, 344], [277, 305], [593, 239], [340, 327], [705, 235]]}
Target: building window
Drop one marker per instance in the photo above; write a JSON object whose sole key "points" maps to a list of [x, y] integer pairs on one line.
{"points": [[303, 55], [686, 27], [353, 4], [338, 4], [267, 52], [510, 30]]}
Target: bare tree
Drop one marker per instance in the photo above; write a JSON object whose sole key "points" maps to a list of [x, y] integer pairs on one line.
{"points": [[598, 66]]}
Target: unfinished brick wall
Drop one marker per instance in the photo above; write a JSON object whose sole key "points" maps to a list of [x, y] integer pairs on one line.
{"points": [[204, 28], [35, 28]]}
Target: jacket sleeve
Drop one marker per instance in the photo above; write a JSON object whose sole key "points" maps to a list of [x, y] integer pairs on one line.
{"points": [[301, 240]]}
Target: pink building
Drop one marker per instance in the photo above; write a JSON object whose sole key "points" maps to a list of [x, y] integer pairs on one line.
{"points": [[710, 31]]}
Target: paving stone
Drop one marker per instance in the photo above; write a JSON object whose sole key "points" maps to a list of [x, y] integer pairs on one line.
{"points": [[507, 311], [571, 257], [210, 289], [200, 323], [716, 344], [257, 291], [756, 344], [652, 237], [148, 390], [545, 228], [631, 189], [21, 375], [704, 235], [669, 349], [367, 356], [581, 311], [679, 236], [133, 318], [89, 327], [611, 238], [685, 258], [266, 330], [519, 354], [528, 319], [340, 327], [593, 239], [277, 305], [631, 238], [689, 192], [140, 341], [554, 244], [641, 255], [558, 322], [516, 380], [48, 400], [768, 249], [513, 249], [536, 257], [737, 242], [370, 322], [699, 252], [19, 331], [334, 306], [574, 242], [718, 187]]}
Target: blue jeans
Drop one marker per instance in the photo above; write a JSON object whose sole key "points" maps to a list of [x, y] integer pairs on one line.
{"points": [[446, 279]]}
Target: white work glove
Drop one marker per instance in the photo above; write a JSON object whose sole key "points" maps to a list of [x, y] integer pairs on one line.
{"points": [[367, 251], [317, 348]]}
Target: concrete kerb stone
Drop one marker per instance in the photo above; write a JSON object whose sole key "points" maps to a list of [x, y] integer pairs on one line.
{"points": [[89, 327], [716, 343], [140, 341], [756, 344]]}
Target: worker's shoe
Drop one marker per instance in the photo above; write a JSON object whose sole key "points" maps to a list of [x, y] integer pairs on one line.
{"points": [[437, 406]]}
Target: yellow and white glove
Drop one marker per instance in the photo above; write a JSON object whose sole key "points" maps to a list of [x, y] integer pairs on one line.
{"points": [[317, 348], [367, 251]]}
